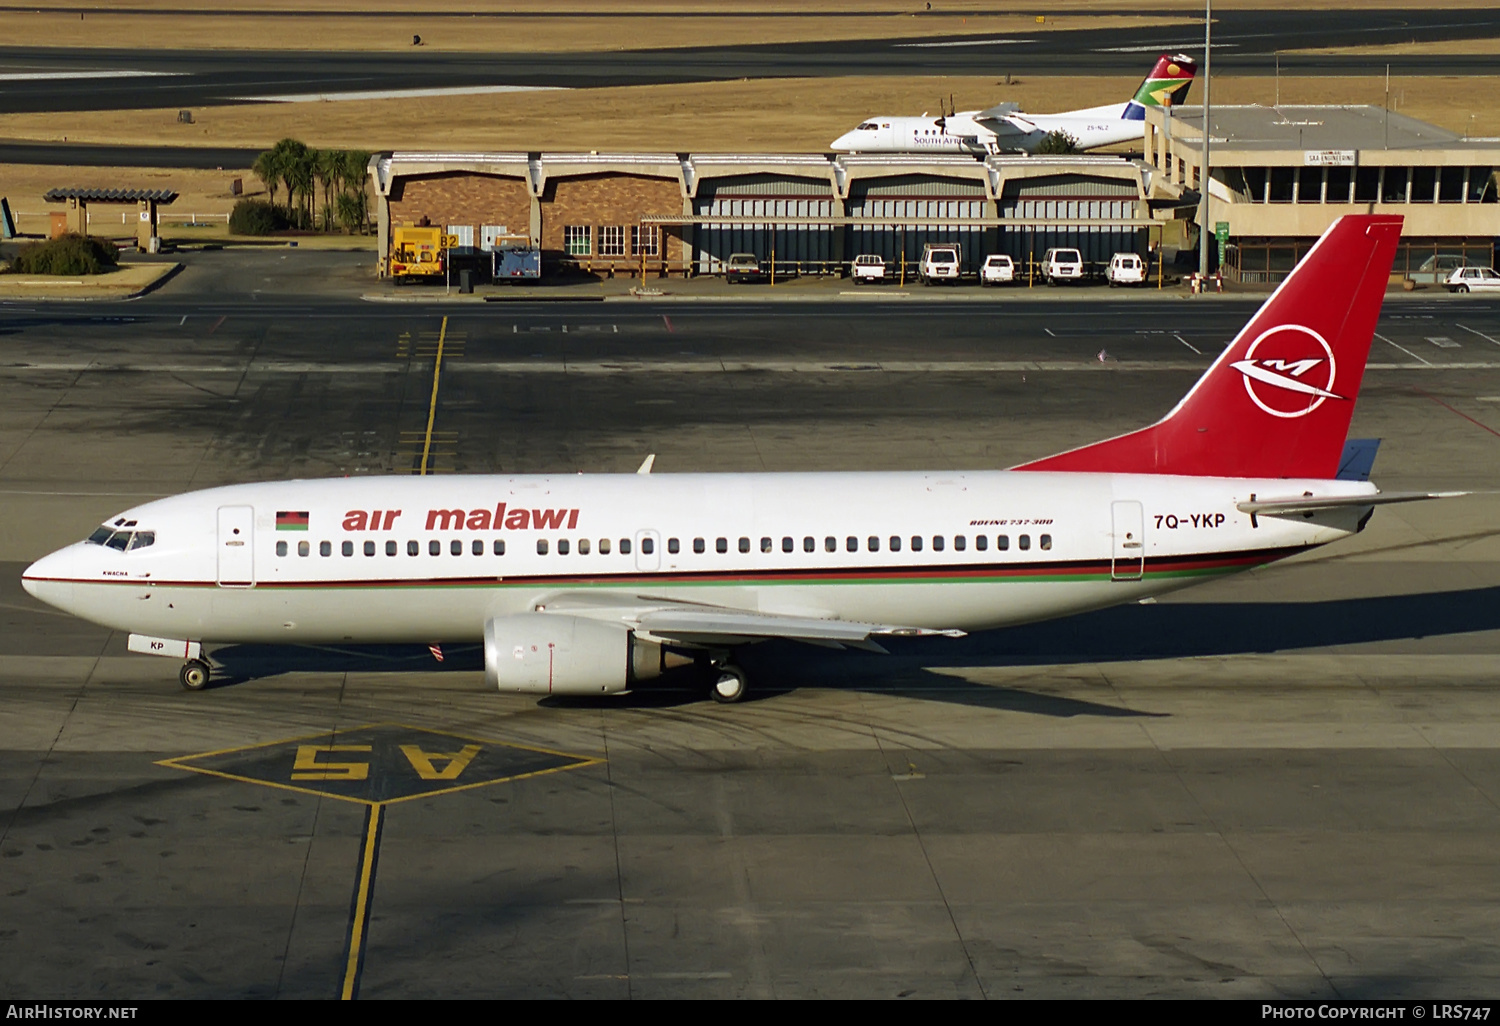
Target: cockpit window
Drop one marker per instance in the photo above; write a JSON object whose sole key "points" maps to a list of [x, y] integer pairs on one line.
{"points": [[868, 126], [122, 541]]}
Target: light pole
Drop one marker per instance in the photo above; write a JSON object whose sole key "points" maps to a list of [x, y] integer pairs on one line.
{"points": [[1204, 226]]}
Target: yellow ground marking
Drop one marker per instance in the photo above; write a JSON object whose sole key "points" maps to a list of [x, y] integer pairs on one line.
{"points": [[355, 960], [437, 370]]}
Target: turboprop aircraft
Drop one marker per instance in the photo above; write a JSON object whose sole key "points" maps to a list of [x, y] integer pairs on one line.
{"points": [[1006, 129], [589, 584]]}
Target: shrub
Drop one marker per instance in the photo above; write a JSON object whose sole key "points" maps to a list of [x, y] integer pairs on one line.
{"points": [[1056, 143], [69, 254], [256, 217]]}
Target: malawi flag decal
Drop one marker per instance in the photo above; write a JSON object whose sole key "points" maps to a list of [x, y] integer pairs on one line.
{"points": [[291, 521]]}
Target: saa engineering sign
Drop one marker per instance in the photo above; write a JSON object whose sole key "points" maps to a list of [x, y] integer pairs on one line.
{"points": [[1289, 371]]}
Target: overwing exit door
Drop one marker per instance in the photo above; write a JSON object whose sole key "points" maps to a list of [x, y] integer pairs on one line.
{"points": [[236, 546], [1129, 557]]}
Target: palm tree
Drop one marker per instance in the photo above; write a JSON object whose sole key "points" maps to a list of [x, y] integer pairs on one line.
{"points": [[268, 169], [329, 167]]}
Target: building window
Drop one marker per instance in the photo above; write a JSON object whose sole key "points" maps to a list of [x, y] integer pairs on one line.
{"points": [[1281, 185], [1481, 185], [1366, 184], [643, 240], [1423, 184], [1255, 184], [612, 240], [1451, 185], [1310, 185], [1339, 179], [1394, 190], [577, 240]]}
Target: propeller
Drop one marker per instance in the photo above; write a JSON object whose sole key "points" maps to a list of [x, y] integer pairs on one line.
{"points": [[942, 119]]}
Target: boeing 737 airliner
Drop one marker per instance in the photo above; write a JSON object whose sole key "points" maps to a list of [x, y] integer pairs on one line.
{"points": [[590, 584]]}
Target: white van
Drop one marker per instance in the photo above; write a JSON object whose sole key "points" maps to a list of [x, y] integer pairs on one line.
{"points": [[1126, 269], [1062, 265], [998, 269], [940, 262]]}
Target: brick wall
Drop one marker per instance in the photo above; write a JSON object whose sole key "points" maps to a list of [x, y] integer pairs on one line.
{"points": [[462, 197], [611, 199]]}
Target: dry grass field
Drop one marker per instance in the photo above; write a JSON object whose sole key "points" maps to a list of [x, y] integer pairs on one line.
{"points": [[761, 115], [497, 33]]}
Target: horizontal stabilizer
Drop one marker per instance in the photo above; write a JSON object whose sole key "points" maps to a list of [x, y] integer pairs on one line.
{"points": [[1313, 504], [1358, 459]]}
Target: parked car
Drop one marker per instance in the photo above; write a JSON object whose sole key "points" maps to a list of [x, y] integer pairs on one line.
{"points": [[868, 267], [742, 267], [998, 269], [1473, 279], [1126, 269], [1062, 265], [1436, 270], [941, 261]]}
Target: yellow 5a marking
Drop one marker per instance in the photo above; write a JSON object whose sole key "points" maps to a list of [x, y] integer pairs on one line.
{"points": [[307, 767], [422, 761]]}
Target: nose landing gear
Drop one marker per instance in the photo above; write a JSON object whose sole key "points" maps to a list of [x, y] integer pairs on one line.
{"points": [[195, 674]]}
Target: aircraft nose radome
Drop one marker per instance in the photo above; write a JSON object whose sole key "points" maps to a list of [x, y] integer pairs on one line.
{"points": [[843, 142], [39, 580]]}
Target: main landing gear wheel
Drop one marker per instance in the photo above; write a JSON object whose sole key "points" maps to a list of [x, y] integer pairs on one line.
{"points": [[729, 684], [194, 674]]}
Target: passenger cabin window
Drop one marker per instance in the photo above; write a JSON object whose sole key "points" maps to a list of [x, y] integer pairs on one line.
{"points": [[982, 542], [583, 546], [721, 545], [541, 546], [456, 547], [809, 544], [787, 545], [648, 546], [937, 543], [390, 548], [369, 548], [916, 543], [872, 543], [304, 549], [851, 544], [347, 548], [624, 546], [1002, 542], [562, 546], [672, 546], [1046, 541], [895, 543], [765, 545], [325, 548], [281, 548], [603, 546], [744, 544], [699, 546], [413, 548], [434, 548], [960, 543], [1024, 542], [499, 547], [830, 544], [477, 547]]}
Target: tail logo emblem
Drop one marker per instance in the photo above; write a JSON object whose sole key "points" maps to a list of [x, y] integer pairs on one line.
{"points": [[1295, 373]]}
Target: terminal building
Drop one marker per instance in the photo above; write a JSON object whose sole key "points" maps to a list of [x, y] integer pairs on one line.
{"points": [[1279, 177]]}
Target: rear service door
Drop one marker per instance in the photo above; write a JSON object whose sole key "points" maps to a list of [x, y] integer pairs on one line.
{"points": [[236, 546], [1129, 557]]}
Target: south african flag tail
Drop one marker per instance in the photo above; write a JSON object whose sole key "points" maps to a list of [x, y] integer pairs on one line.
{"points": [[1168, 82], [291, 521]]}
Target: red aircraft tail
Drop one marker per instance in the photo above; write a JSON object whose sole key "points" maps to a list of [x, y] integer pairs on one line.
{"points": [[1278, 402]]}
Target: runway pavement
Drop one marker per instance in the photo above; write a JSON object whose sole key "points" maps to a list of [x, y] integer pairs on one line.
{"points": [[1280, 784], [1245, 42]]}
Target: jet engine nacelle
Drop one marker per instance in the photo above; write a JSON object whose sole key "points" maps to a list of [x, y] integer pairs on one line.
{"points": [[547, 654]]}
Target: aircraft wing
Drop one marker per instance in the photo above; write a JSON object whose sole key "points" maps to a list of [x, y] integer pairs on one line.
{"points": [[999, 110], [1005, 124], [1311, 504], [704, 624]]}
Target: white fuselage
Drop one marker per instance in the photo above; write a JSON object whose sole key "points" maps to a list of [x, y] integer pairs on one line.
{"points": [[962, 133], [423, 564]]}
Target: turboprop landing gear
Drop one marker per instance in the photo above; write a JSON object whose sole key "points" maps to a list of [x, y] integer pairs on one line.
{"points": [[194, 674], [729, 684]]}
